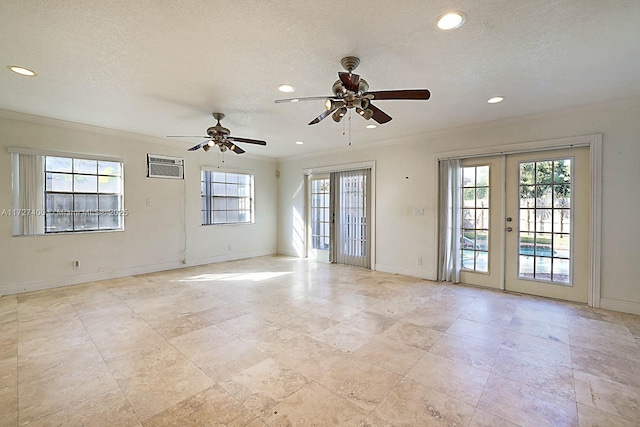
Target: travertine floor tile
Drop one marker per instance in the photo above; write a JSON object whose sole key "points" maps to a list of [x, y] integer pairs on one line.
{"points": [[314, 405], [213, 406], [154, 381], [310, 323], [470, 351], [222, 313], [389, 354], [344, 337], [438, 318], [38, 399], [608, 396], [226, 360], [551, 351], [542, 311], [526, 406], [8, 340], [9, 406], [492, 335], [486, 419], [454, 379], [412, 404], [607, 366], [414, 335], [264, 385], [590, 417], [308, 356], [108, 409], [534, 372], [539, 329], [284, 341], [359, 382], [370, 323], [617, 345]]}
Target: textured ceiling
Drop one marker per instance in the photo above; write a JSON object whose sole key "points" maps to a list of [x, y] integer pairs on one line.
{"points": [[161, 68]]}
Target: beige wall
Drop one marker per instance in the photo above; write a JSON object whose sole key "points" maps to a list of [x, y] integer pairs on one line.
{"points": [[155, 236], [403, 237]]}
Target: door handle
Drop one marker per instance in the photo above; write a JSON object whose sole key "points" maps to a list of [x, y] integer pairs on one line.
{"points": [[509, 229]]}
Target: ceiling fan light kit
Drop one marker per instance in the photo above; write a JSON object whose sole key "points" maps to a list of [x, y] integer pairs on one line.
{"points": [[351, 91], [221, 136]]}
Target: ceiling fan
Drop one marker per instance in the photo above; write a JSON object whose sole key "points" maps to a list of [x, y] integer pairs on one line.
{"points": [[351, 91], [220, 136]]}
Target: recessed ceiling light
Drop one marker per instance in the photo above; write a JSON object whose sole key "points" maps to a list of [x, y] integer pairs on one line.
{"points": [[286, 88], [299, 142], [21, 70], [371, 126], [451, 20], [495, 99]]}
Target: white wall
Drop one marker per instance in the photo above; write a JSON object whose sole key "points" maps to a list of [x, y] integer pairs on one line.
{"points": [[403, 237], [154, 237]]}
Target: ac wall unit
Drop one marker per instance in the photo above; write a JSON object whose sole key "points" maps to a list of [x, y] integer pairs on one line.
{"points": [[165, 167]]}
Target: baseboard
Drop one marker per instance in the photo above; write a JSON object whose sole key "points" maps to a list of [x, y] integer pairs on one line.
{"points": [[227, 257], [413, 272], [619, 305], [124, 272], [292, 253]]}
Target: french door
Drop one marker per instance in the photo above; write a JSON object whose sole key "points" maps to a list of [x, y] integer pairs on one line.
{"points": [[319, 218], [525, 222], [339, 217], [547, 224]]}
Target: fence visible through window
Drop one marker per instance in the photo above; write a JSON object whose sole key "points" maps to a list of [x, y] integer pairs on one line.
{"points": [[474, 242]]}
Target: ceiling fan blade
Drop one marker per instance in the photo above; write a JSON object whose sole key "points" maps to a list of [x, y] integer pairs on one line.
{"points": [[379, 115], [349, 80], [233, 147], [322, 116], [246, 140], [186, 136], [197, 147], [416, 94], [308, 98]]}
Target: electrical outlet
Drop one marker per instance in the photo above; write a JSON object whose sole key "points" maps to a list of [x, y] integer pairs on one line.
{"points": [[229, 247], [419, 260], [76, 265], [418, 212]]}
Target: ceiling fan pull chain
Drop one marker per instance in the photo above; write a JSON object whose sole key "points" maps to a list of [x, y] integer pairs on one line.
{"points": [[349, 128]]}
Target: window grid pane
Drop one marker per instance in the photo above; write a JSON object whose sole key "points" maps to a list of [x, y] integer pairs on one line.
{"points": [[474, 243], [545, 221], [227, 198], [320, 214], [82, 195]]}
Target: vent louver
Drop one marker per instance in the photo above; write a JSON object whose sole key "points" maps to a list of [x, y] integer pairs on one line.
{"points": [[165, 167]]}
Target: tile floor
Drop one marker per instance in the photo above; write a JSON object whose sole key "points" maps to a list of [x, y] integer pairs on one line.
{"points": [[280, 341]]}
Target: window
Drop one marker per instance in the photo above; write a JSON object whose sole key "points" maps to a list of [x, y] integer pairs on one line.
{"points": [[62, 193], [227, 198], [545, 221], [320, 214], [475, 218], [82, 195]]}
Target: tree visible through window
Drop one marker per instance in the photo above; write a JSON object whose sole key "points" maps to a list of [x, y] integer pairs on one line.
{"points": [[545, 221], [475, 218]]}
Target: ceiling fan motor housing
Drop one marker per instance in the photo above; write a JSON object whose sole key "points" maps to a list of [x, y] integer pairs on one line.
{"points": [[213, 131]]}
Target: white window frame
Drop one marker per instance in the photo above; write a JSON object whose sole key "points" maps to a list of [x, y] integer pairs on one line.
{"points": [[207, 194], [121, 211]]}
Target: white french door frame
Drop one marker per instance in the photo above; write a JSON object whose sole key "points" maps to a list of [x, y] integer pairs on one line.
{"points": [[594, 142], [372, 198]]}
